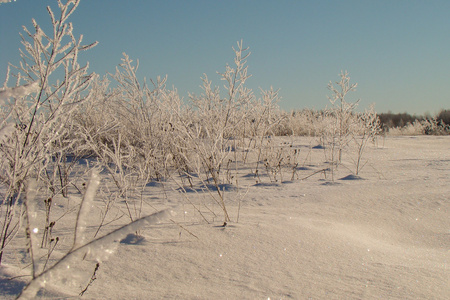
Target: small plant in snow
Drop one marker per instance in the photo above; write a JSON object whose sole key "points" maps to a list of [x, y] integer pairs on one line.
{"points": [[341, 121], [219, 119], [370, 128]]}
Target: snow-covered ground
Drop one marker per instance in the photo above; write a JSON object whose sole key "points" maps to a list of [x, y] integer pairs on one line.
{"points": [[384, 237]]}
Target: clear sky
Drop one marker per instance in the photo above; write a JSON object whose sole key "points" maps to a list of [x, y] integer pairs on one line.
{"points": [[398, 51]]}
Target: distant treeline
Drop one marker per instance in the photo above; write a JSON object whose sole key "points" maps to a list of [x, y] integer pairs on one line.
{"points": [[391, 120]]}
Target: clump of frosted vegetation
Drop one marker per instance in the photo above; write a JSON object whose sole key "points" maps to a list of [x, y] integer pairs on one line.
{"points": [[36, 131], [429, 126], [344, 126], [39, 108], [137, 133]]}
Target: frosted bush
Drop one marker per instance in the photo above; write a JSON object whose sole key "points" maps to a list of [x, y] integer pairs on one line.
{"points": [[219, 120], [340, 121], [368, 129], [306, 122], [36, 116], [415, 128]]}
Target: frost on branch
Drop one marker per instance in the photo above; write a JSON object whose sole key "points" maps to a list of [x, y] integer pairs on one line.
{"points": [[19, 91], [6, 1]]}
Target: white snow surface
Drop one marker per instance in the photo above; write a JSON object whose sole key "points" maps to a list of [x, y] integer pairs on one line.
{"points": [[385, 237]]}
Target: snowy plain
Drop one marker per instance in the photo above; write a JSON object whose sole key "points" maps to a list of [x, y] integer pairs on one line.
{"points": [[386, 236]]}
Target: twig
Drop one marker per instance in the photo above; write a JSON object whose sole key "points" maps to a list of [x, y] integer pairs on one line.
{"points": [[91, 281], [322, 170], [184, 229]]}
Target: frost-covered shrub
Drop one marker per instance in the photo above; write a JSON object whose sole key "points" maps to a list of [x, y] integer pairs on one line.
{"points": [[425, 127], [305, 122], [218, 121], [39, 107], [340, 121], [415, 128], [44, 120], [131, 131], [369, 127]]}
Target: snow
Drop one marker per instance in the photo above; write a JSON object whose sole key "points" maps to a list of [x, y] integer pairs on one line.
{"points": [[384, 237]]}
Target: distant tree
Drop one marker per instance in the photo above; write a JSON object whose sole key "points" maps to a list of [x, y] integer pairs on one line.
{"points": [[391, 120], [444, 116]]}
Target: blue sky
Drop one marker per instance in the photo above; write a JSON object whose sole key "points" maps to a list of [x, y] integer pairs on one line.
{"points": [[398, 51]]}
